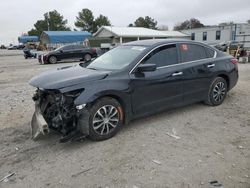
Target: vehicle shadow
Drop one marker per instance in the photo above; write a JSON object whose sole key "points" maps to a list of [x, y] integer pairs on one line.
{"points": [[165, 114]]}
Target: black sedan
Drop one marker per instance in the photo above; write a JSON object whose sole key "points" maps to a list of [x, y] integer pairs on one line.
{"points": [[133, 80], [67, 52]]}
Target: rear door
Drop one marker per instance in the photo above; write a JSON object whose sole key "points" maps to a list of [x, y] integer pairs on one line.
{"points": [[160, 89], [198, 67], [79, 51], [67, 52]]}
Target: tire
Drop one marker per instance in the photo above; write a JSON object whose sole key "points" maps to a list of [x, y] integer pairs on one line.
{"points": [[217, 92], [104, 125], [52, 60], [87, 57]]}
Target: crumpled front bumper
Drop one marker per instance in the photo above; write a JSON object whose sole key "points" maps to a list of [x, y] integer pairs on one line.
{"points": [[38, 124]]}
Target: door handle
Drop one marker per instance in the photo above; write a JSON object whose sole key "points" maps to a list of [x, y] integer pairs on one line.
{"points": [[177, 74], [210, 65]]}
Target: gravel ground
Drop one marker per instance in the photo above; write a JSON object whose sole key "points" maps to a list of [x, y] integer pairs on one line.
{"points": [[214, 142]]}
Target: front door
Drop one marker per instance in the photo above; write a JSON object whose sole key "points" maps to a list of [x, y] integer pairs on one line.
{"points": [[159, 89]]}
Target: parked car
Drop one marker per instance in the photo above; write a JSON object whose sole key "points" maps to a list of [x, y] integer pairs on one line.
{"points": [[16, 47], [30, 53], [2, 47], [13, 47], [130, 81], [79, 52]]}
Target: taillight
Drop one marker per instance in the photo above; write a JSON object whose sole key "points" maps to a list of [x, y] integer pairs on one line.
{"points": [[234, 61], [93, 50]]}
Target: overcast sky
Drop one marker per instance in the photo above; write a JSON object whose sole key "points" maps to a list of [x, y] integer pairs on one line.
{"points": [[19, 16]]}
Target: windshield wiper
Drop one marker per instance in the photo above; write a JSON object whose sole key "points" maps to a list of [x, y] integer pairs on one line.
{"points": [[91, 68]]}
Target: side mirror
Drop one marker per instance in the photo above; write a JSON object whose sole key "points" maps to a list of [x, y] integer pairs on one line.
{"points": [[61, 51], [146, 68]]}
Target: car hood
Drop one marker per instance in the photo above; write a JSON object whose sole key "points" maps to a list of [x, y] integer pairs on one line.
{"points": [[66, 76]]}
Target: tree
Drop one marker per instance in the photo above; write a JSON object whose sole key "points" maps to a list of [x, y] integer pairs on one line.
{"points": [[87, 22], [52, 21], [146, 22], [40, 26], [101, 21], [130, 25], [55, 21], [188, 24], [248, 21]]}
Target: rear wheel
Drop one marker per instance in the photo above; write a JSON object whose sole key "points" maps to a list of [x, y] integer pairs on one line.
{"points": [[87, 57], [106, 119], [52, 59], [217, 92]]}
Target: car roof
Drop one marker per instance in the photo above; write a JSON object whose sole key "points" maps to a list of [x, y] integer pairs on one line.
{"points": [[156, 42]]}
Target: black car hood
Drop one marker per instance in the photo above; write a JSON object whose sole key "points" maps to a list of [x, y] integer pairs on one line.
{"points": [[66, 76]]}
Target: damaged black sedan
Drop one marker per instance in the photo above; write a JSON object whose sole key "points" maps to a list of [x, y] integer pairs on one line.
{"points": [[133, 80]]}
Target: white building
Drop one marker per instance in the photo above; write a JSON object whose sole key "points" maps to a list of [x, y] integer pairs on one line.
{"points": [[216, 34], [119, 35]]}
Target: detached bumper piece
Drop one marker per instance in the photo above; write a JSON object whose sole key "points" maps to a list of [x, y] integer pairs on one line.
{"points": [[56, 111], [38, 124]]}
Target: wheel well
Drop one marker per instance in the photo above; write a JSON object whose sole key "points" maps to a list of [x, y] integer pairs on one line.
{"points": [[226, 78]]}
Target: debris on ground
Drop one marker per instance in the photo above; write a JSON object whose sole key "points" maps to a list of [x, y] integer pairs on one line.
{"points": [[6, 178], [216, 184], [79, 173], [157, 162], [240, 147], [173, 134], [220, 154]]}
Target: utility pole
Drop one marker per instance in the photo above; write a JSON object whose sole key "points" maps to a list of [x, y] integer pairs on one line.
{"points": [[235, 30], [48, 20]]}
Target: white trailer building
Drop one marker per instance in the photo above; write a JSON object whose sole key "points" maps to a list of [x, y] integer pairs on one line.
{"points": [[216, 34], [119, 35]]}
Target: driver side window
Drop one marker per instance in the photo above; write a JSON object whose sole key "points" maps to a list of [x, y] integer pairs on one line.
{"points": [[163, 56]]}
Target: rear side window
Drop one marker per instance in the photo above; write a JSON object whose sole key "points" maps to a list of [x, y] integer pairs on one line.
{"points": [[192, 52], [210, 52], [69, 47], [79, 47], [163, 56]]}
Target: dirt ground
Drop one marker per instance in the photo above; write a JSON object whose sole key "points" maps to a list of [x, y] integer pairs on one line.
{"points": [[214, 142]]}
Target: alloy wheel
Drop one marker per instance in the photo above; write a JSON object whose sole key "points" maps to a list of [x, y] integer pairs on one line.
{"points": [[52, 60], [105, 119], [219, 91], [87, 57]]}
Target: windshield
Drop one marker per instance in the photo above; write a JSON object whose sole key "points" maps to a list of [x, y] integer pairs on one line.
{"points": [[59, 48], [117, 59]]}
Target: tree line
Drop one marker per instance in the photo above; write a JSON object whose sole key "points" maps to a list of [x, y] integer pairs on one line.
{"points": [[85, 21]]}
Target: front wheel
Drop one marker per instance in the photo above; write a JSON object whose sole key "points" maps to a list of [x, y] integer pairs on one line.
{"points": [[217, 92], [52, 59], [106, 118]]}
